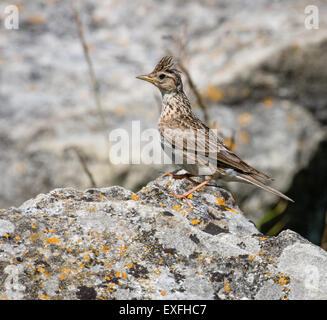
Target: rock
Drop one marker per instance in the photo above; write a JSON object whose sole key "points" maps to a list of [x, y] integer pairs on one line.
{"points": [[110, 243], [260, 71]]}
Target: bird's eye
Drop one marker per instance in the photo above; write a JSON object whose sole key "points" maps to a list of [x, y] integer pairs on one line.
{"points": [[162, 76]]}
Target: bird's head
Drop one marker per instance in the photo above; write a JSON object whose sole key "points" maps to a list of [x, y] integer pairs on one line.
{"points": [[165, 76]]}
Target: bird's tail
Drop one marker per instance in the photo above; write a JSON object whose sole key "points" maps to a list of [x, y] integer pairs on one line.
{"points": [[250, 179]]}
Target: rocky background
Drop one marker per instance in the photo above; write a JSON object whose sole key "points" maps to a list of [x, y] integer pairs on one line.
{"points": [[260, 72], [111, 243]]}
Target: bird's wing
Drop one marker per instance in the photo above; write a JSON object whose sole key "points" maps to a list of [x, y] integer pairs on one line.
{"points": [[201, 144]]}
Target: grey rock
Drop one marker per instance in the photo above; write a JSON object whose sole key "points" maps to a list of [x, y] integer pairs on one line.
{"points": [[110, 243], [247, 51]]}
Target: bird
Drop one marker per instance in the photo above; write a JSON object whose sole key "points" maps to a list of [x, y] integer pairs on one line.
{"points": [[200, 151]]}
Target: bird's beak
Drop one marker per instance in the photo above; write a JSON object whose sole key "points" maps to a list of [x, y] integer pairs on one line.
{"points": [[147, 78]]}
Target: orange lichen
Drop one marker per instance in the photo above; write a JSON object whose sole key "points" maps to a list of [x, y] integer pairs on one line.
{"points": [[215, 94], [36, 19], [52, 240], [244, 118], [123, 249], [195, 221], [244, 137], [163, 292], [40, 269], [129, 265], [177, 207], [283, 280], [221, 202], [231, 210], [135, 197], [227, 288], [268, 102]]}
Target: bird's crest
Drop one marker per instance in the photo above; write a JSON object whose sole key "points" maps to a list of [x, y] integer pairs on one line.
{"points": [[164, 64]]}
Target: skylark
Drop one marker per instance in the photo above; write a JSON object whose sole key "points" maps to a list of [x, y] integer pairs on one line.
{"points": [[200, 150]]}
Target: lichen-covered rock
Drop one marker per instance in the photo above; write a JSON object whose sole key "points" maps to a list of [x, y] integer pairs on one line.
{"points": [[259, 70], [110, 243]]}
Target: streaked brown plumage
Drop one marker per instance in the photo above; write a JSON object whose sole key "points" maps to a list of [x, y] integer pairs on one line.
{"points": [[203, 152]]}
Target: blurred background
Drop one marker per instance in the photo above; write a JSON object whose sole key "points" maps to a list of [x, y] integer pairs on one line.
{"points": [[251, 69]]}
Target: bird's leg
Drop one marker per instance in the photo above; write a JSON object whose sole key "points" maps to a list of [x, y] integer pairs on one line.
{"points": [[186, 194]]}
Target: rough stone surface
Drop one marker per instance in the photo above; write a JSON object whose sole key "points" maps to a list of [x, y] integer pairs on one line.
{"points": [[260, 71], [110, 243]]}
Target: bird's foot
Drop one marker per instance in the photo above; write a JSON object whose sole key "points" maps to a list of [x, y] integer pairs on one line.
{"points": [[185, 196], [189, 194]]}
